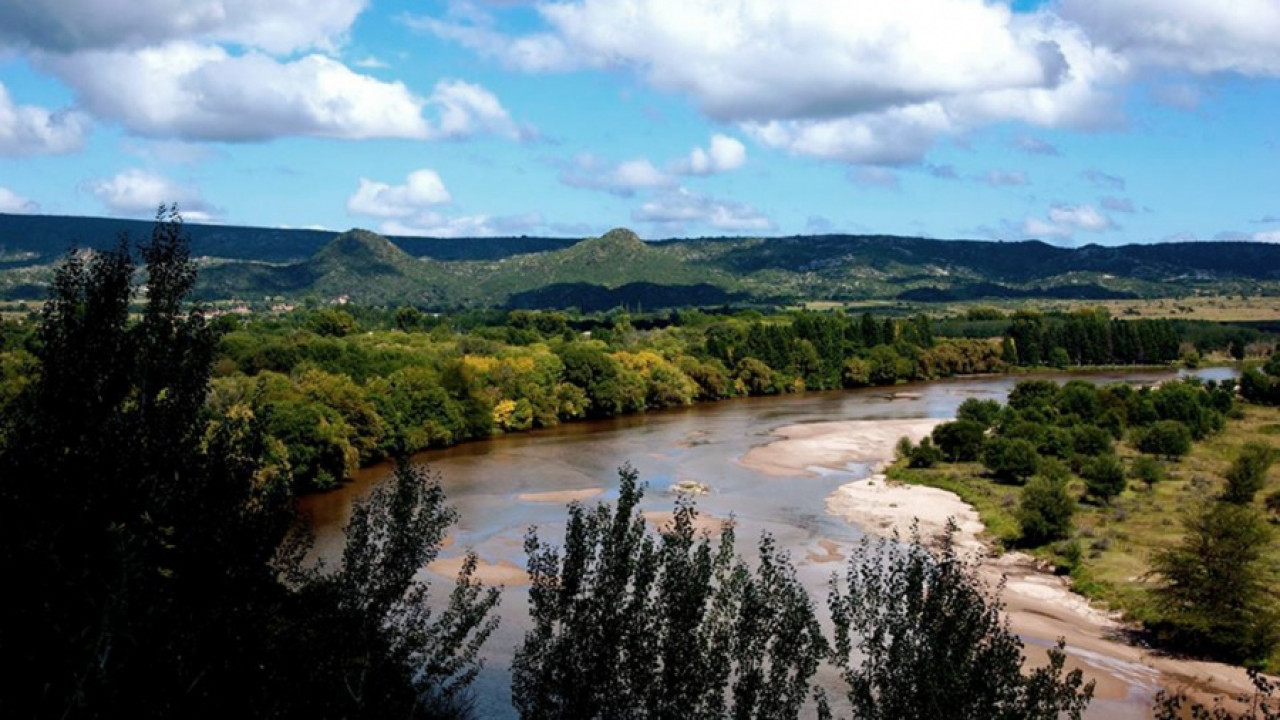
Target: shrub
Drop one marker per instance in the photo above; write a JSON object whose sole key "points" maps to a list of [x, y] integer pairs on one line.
{"points": [[1168, 438], [1045, 511], [1104, 477], [1010, 460], [960, 440]]}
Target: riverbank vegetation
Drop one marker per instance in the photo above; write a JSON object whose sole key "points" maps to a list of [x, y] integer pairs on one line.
{"points": [[1157, 501]]}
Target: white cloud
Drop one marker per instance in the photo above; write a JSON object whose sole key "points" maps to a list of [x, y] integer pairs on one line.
{"points": [[31, 130], [466, 109], [12, 202], [431, 224], [724, 154], [1193, 35], [859, 81], [1065, 220], [892, 137], [422, 189], [277, 26], [624, 179], [1268, 236], [681, 208], [762, 59], [140, 192]]}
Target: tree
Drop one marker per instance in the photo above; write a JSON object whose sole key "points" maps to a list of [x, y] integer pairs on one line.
{"points": [[1010, 460], [626, 624], [1167, 438], [983, 412], [960, 440], [1212, 588], [1104, 477], [916, 636], [152, 534], [1248, 473], [924, 455], [1045, 511]]}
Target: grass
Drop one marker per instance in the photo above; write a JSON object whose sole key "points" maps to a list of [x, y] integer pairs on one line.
{"points": [[1117, 540]]}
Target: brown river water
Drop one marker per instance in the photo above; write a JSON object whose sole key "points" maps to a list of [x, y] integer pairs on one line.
{"points": [[484, 481]]}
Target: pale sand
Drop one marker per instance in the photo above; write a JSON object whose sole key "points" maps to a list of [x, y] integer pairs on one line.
{"points": [[503, 572], [1038, 604], [560, 496], [832, 444], [702, 524]]}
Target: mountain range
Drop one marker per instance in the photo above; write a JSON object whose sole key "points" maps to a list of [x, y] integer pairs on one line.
{"points": [[619, 268]]}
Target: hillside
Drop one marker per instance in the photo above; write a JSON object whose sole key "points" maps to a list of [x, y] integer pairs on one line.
{"points": [[621, 269]]}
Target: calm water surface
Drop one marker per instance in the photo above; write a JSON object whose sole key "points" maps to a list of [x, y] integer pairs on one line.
{"points": [[702, 443]]}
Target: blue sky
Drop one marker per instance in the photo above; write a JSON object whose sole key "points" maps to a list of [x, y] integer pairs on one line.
{"points": [[1075, 121]]}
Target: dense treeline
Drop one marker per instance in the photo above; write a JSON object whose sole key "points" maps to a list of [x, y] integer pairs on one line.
{"points": [[347, 386]]}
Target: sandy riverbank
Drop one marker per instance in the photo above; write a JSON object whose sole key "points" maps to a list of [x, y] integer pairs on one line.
{"points": [[1039, 605]]}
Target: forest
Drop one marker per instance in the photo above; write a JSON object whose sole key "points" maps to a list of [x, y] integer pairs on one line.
{"points": [[150, 456]]}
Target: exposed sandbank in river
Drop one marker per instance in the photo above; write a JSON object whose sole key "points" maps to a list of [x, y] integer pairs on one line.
{"points": [[1039, 605]]}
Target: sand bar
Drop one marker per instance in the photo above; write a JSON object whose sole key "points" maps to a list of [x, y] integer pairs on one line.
{"points": [[503, 572], [560, 496]]}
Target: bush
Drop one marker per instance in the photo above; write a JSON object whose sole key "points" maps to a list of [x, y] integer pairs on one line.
{"points": [[1147, 469], [1010, 460], [1090, 440], [983, 412]]}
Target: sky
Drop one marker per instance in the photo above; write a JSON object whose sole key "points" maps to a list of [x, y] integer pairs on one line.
{"points": [[1070, 121]]}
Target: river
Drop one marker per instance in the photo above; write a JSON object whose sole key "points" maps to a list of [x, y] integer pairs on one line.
{"points": [[485, 481]]}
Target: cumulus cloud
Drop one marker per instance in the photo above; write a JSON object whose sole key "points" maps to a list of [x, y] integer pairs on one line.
{"points": [[140, 192], [466, 109], [723, 155], [32, 130], [12, 202], [623, 179], [682, 208], [203, 92], [1268, 236], [858, 81], [892, 137], [1191, 35], [421, 189], [278, 26], [1065, 220]]}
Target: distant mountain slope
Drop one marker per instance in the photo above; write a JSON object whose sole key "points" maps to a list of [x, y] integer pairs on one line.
{"points": [[619, 268]]}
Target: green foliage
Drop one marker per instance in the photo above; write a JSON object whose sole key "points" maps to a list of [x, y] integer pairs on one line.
{"points": [[916, 636], [1148, 470], [626, 624], [924, 455], [1010, 460], [1045, 511], [1213, 589], [152, 534], [1104, 477], [983, 412], [1168, 438], [1248, 473], [960, 440]]}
